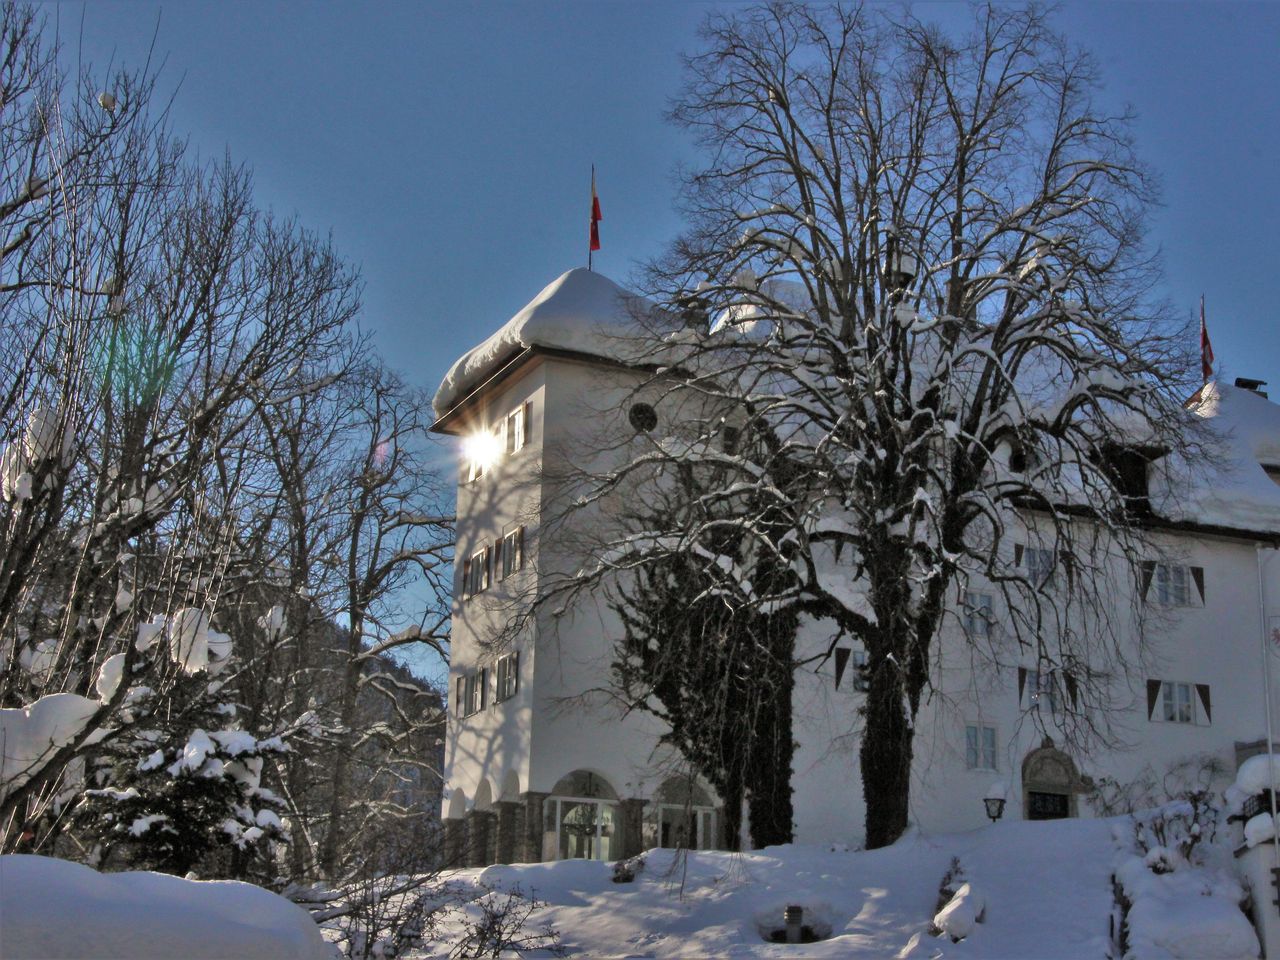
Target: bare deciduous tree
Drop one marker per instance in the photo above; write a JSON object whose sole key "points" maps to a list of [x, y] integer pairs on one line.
{"points": [[916, 349]]}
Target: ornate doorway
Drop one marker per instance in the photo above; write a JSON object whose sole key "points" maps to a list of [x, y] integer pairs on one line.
{"points": [[1050, 784]]}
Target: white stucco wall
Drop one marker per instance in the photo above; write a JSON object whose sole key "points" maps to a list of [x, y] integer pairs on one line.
{"points": [[556, 724]]}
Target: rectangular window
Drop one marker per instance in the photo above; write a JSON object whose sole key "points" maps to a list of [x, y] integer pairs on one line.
{"points": [[1042, 690], [1176, 705], [861, 673], [475, 573], [507, 670], [977, 614], [1039, 565], [510, 553], [517, 428], [475, 692], [980, 747], [1172, 701], [1171, 585]]}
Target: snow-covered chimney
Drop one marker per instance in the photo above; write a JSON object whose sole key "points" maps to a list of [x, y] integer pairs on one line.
{"points": [[1253, 386]]}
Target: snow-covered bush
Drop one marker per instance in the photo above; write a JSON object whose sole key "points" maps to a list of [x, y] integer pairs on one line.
{"points": [[1175, 885], [960, 905], [180, 785], [498, 921], [1167, 836]]}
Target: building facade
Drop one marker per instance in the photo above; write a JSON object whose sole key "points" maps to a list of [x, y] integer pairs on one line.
{"points": [[542, 763]]}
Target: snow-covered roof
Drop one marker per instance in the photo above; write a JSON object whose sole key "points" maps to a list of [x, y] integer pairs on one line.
{"points": [[1238, 492], [580, 310]]}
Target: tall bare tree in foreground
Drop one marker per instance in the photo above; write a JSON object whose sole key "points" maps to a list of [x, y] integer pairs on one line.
{"points": [[917, 349], [186, 445]]}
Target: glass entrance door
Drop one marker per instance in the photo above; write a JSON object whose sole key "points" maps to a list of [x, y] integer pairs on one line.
{"points": [[584, 828]]}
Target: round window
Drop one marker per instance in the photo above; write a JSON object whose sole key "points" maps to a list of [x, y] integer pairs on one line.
{"points": [[642, 417]]}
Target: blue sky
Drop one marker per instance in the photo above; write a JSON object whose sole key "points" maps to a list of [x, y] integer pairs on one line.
{"points": [[448, 145]]}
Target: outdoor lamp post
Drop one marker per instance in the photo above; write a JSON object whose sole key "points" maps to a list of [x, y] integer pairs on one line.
{"points": [[995, 807]]}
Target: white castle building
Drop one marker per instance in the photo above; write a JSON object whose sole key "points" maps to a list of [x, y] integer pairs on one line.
{"points": [[539, 766]]}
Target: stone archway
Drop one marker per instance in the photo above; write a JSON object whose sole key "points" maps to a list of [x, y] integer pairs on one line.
{"points": [[681, 814], [1051, 784], [581, 814]]}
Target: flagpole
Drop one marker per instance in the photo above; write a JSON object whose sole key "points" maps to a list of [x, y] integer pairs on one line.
{"points": [[593, 235]]}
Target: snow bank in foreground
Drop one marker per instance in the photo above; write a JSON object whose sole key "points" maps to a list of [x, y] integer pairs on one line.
{"points": [[1188, 914], [58, 909], [1046, 886]]}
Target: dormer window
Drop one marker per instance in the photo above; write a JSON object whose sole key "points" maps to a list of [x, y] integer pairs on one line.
{"points": [[1128, 467]]}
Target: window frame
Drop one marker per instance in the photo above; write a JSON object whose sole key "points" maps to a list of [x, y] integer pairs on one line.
{"points": [[979, 617], [1042, 572], [475, 691], [507, 674], [1171, 583], [976, 749], [515, 428], [1174, 708], [509, 545], [473, 582], [1039, 685], [1165, 706]]}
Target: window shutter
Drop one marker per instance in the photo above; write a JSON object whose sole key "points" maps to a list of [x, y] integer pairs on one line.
{"points": [[1203, 690], [1073, 688], [488, 566], [1017, 554], [502, 676], [460, 705], [518, 562], [466, 578], [842, 661], [484, 688], [513, 671], [497, 560], [1197, 574], [526, 416], [1153, 697], [1022, 682], [1147, 573]]}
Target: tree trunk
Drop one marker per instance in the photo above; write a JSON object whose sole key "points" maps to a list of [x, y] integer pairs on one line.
{"points": [[886, 757], [769, 771]]}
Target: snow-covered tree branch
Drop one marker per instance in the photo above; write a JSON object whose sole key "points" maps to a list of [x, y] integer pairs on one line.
{"points": [[911, 349]]}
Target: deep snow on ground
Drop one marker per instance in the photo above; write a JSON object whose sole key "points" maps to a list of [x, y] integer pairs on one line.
{"points": [[54, 908], [1046, 885]]}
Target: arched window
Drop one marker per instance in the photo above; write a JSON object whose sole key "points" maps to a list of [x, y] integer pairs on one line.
{"points": [[581, 817], [681, 815]]}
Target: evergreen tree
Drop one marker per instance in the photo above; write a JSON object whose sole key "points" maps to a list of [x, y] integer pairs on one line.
{"points": [[182, 786]]}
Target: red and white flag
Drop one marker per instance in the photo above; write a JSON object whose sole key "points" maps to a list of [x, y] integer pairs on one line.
{"points": [[595, 213], [1206, 348]]}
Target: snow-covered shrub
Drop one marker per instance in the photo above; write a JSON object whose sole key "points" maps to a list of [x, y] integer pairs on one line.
{"points": [[1191, 775], [181, 784], [1167, 836], [957, 919], [624, 871], [960, 905], [951, 881], [1175, 886], [498, 921]]}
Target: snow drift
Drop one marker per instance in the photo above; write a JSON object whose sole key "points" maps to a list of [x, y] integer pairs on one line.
{"points": [[58, 909]]}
